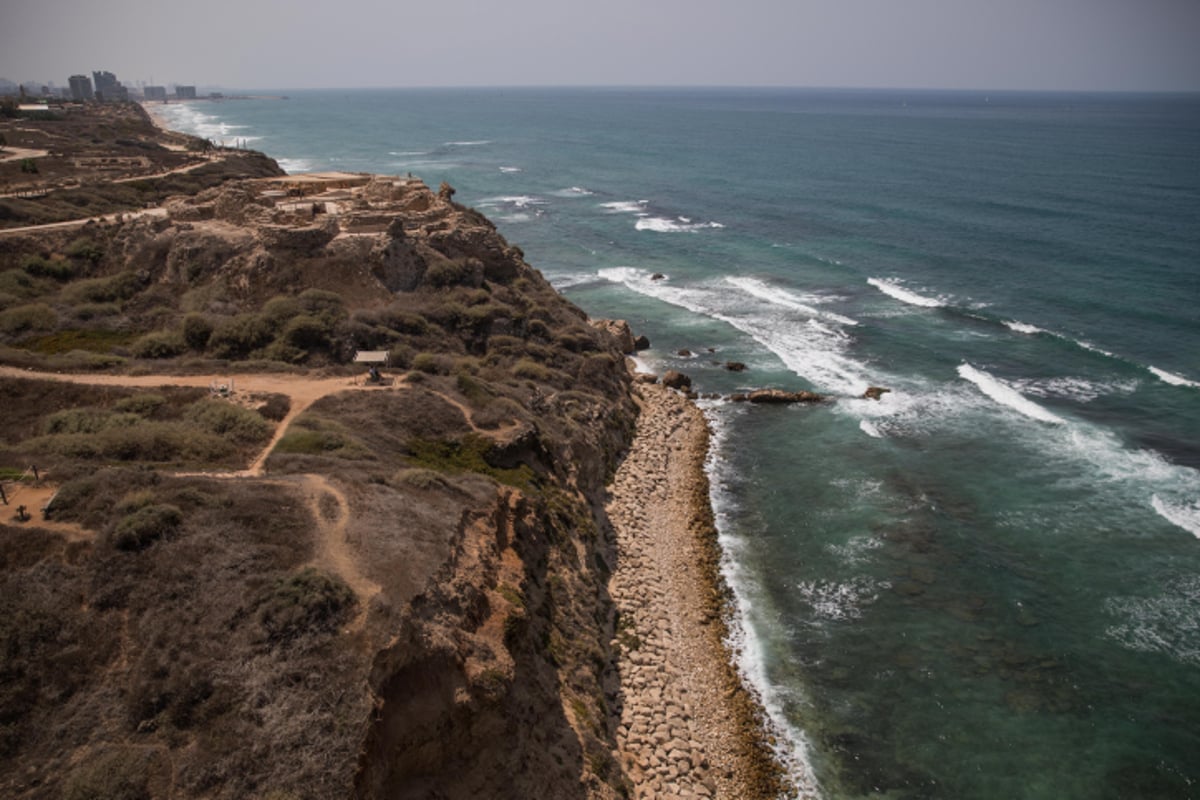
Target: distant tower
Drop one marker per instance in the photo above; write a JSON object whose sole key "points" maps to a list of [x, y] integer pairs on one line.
{"points": [[107, 86], [81, 88]]}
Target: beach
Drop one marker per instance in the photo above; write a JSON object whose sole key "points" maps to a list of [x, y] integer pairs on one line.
{"points": [[687, 725]]}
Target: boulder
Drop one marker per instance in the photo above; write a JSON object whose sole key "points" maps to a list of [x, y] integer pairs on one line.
{"points": [[658, 276], [874, 392], [620, 331], [645, 377], [777, 396], [641, 343], [735, 366], [684, 353], [677, 380]]}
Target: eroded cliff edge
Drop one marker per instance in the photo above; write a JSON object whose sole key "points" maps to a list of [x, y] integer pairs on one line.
{"points": [[407, 599]]}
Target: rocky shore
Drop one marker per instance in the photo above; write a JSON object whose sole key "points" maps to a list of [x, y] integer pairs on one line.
{"points": [[687, 727]]}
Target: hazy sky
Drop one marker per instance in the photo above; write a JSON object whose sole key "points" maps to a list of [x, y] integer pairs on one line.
{"points": [[284, 44]]}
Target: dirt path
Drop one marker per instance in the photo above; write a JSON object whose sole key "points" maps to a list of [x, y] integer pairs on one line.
{"points": [[334, 550], [328, 504], [79, 223]]}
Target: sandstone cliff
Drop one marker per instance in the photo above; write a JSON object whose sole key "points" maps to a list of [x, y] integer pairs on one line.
{"points": [[260, 575]]}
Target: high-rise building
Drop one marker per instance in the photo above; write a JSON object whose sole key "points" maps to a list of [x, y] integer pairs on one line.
{"points": [[108, 88], [81, 88], [154, 92], [185, 92]]}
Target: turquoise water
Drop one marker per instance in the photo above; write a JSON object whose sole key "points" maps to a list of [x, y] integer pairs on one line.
{"points": [[986, 585]]}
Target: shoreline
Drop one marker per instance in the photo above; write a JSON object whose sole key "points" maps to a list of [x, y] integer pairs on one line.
{"points": [[687, 722]]}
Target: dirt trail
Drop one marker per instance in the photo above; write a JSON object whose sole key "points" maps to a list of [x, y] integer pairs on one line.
{"points": [[334, 550]]}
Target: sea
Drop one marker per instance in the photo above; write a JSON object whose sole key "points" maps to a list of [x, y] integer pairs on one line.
{"points": [[984, 584]]}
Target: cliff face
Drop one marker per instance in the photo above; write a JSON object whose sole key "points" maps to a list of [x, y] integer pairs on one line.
{"points": [[257, 579]]}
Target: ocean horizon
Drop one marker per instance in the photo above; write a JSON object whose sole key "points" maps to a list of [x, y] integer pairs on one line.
{"points": [[985, 584]]}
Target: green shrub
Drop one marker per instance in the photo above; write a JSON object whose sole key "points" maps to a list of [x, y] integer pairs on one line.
{"points": [[306, 332], [197, 329], [88, 311], [320, 437], [426, 362], [309, 601], [326, 305], [19, 283], [134, 501], [281, 351], [77, 420], [468, 454], [31, 317], [445, 273], [532, 370], [159, 344], [403, 321], [240, 425], [89, 340], [82, 361], [144, 404], [279, 309], [86, 249], [276, 407], [48, 268], [418, 478], [104, 290], [239, 335], [145, 526]]}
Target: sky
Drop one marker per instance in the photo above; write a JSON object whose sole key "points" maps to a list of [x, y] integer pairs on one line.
{"points": [[1119, 45]]}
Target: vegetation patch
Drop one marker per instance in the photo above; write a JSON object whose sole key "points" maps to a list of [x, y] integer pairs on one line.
{"points": [[320, 437], [468, 454], [145, 526], [91, 340], [308, 601]]}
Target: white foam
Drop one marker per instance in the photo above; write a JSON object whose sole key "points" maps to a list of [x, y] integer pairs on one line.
{"points": [[892, 288], [833, 601], [1005, 395], [626, 206], [1165, 623], [677, 225], [516, 201], [790, 744], [814, 352], [408, 152], [868, 427], [1184, 515], [1173, 379], [573, 191], [1081, 390], [782, 297], [294, 165], [1021, 327], [1094, 348], [510, 169], [472, 143]]}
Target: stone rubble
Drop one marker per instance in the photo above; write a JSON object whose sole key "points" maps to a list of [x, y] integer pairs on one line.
{"points": [[674, 734]]}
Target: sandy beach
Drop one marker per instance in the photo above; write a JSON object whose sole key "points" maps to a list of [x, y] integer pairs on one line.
{"points": [[688, 727]]}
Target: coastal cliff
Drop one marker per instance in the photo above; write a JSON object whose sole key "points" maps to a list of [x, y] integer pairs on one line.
{"points": [[245, 568]]}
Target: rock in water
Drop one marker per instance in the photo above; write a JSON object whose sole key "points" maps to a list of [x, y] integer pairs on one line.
{"points": [[677, 380], [780, 396], [874, 392]]}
